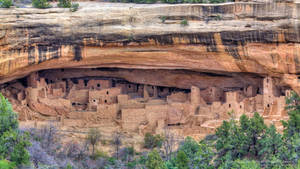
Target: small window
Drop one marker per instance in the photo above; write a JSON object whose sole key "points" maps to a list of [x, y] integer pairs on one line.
{"points": [[197, 110], [240, 106], [129, 86], [107, 92], [86, 82], [94, 101], [73, 104], [229, 105], [98, 85], [268, 105], [105, 101]]}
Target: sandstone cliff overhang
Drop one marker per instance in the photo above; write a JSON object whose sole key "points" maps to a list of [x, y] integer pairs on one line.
{"points": [[240, 40]]}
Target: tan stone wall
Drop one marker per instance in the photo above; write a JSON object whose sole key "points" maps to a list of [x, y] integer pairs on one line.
{"points": [[99, 84], [212, 94], [122, 99], [156, 112], [177, 97], [108, 111], [127, 88], [133, 118], [79, 96]]}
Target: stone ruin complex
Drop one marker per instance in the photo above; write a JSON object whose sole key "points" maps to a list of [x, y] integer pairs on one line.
{"points": [[136, 68], [139, 108]]}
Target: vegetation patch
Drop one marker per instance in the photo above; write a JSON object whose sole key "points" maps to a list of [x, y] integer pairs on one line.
{"points": [[74, 7], [184, 23], [6, 3], [153, 141], [41, 4], [64, 4], [13, 142]]}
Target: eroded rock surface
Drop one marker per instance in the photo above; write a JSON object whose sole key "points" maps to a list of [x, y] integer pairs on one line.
{"points": [[221, 61]]}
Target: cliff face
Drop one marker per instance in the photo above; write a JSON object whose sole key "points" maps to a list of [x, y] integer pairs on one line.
{"points": [[146, 67], [237, 40]]}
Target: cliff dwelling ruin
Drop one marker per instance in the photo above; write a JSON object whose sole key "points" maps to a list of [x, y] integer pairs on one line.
{"points": [[99, 97]]}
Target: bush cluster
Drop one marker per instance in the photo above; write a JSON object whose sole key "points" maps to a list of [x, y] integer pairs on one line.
{"points": [[64, 3], [153, 141], [13, 142], [184, 23], [74, 7], [41, 4], [6, 3]]}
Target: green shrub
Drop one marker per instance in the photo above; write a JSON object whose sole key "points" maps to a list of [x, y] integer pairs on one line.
{"points": [[182, 160], [245, 164], [292, 126], [154, 161], [8, 118], [64, 3], [4, 164], [170, 1], [13, 143], [100, 154], [112, 160], [132, 164], [74, 7], [163, 19], [237, 140], [150, 1], [190, 147], [69, 166], [6, 3], [152, 141], [41, 4], [184, 23], [216, 1]]}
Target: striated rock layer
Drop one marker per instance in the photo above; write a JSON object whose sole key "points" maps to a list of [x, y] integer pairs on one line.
{"points": [[226, 46]]}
